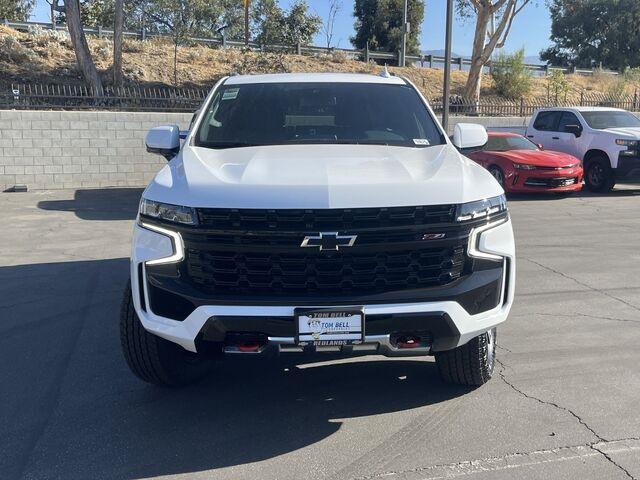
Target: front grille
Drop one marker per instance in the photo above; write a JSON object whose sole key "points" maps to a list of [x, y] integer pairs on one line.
{"points": [[310, 220], [538, 167], [550, 182], [244, 254], [345, 272]]}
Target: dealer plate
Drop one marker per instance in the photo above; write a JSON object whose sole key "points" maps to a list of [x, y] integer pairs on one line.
{"points": [[329, 326]]}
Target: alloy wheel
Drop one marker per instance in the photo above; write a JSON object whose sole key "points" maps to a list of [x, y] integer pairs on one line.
{"points": [[596, 175]]}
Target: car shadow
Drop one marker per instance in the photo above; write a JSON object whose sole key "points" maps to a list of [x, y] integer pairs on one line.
{"points": [[99, 203], [76, 411]]}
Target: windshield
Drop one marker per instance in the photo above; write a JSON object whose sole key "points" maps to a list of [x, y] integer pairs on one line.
{"points": [[317, 113], [610, 119], [502, 144]]}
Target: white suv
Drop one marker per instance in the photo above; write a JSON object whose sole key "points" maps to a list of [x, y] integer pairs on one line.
{"points": [[317, 212]]}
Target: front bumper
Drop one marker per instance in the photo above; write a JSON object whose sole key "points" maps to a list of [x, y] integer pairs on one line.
{"points": [[628, 168], [529, 181], [447, 322]]}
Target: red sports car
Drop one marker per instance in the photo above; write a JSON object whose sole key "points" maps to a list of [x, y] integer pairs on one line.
{"points": [[520, 165]]}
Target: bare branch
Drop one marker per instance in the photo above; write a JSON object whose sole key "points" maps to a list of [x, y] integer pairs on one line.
{"points": [[515, 12]]}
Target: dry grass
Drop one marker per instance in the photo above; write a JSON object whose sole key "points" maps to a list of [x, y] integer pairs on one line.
{"points": [[45, 58]]}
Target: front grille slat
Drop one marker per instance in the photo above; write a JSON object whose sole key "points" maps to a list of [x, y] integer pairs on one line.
{"points": [[340, 274], [324, 219]]}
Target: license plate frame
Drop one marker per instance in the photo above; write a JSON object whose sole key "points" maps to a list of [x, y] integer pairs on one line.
{"points": [[312, 333]]}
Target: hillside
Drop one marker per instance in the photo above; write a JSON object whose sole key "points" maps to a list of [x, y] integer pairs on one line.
{"points": [[46, 57]]}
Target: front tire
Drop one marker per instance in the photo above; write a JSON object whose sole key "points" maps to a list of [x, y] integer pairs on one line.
{"points": [[154, 359], [471, 364], [598, 176]]}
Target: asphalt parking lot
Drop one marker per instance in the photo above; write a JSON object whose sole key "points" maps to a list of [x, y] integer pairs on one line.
{"points": [[564, 403]]}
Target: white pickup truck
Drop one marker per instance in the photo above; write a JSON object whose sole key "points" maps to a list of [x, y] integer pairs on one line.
{"points": [[607, 140]]}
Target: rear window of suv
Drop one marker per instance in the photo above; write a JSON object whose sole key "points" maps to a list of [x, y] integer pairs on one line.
{"points": [[317, 113]]}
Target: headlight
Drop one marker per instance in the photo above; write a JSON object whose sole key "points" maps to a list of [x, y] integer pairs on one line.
{"points": [[632, 146], [481, 208], [523, 166], [168, 212]]}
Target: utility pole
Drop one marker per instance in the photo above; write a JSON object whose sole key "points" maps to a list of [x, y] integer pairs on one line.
{"points": [[246, 22], [447, 66], [405, 32]]}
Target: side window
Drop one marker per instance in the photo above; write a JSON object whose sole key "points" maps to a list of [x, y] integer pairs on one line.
{"points": [[567, 118], [546, 121]]}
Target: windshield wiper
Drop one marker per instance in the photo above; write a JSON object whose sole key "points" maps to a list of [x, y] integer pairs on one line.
{"points": [[331, 141], [219, 145]]}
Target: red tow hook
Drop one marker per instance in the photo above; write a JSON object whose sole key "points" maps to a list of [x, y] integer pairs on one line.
{"points": [[249, 346], [408, 343]]}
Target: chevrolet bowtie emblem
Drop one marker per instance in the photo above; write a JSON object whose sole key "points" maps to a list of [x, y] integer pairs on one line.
{"points": [[328, 241]]}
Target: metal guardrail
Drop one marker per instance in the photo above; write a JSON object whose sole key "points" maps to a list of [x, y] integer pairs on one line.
{"points": [[166, 99], [432, 61]]}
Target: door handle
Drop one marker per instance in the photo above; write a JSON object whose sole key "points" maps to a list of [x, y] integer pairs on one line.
{"points": [[555, 138], [529, 136]]}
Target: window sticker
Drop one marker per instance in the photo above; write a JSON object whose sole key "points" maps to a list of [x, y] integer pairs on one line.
{"points": [[421, 141], [230, 94]]}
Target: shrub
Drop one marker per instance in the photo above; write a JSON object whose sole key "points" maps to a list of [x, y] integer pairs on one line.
{"points": [[617, 87], [102, 50], [11, 50], [557, 84], [632, 75], [510, 77], [338, 56], [43, 37], [260, 62], [132, 46]]}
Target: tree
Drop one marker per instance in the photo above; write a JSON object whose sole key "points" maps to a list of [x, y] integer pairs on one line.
{"points": [[587, 34], [268, 22], [16, 10], [80, 46], [182, 19], [328, 27], [276, 26], [379, 23], [101, 13], [484, 41]]}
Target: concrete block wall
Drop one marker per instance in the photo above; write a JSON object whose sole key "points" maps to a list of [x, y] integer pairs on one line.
{"points": [[53, 149], [489, 122]]}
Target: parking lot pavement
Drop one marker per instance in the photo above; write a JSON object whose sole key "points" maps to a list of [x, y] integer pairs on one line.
{"points": [[563, 404]]}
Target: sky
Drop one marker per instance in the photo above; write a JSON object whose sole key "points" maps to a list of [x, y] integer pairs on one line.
{"points": [[530, 30]]}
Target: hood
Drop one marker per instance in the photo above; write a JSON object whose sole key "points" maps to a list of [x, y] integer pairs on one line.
{"points": [[539, 158], [320, 176], [630, 133]]}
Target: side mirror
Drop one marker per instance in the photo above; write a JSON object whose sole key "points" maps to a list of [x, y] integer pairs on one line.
{"points": [[469, 135], [164, 141], [540, 146], [575, 129]]}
